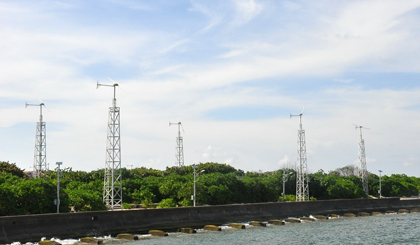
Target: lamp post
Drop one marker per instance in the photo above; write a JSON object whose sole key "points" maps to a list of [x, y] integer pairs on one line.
{"points": [[284, 182], [380, 184], [58, 186], [195, 180]]}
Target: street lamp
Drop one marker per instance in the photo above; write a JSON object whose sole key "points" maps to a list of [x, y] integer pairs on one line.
{"points": [[195, 173], [58, 186], [284, 181], [380, 184]]}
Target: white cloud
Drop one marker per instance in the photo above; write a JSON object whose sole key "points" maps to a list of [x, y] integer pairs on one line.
{"points": [[285, 60], [286, 163], [246, 10], [215, 15], [412, 161]]}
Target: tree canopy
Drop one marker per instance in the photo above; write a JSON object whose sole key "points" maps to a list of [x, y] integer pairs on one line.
{"points": [[215, 184]]}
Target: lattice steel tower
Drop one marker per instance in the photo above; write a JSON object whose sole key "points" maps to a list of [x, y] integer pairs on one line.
{"points": [[40, 155], [362, 170], [112, 195], [302, 187], [179, 155]]}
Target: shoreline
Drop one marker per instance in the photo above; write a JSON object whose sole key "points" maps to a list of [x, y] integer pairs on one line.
{"points": [[30, 228]]}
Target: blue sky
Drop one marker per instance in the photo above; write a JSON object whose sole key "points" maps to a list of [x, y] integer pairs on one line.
{"points": [[231, 71]]}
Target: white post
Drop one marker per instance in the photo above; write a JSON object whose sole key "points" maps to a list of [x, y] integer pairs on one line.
{"points": [[194, 196], [380, 184], [58, 186], [284, 183]]}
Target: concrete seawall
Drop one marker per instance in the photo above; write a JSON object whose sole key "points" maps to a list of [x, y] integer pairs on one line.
{"points": [[32, 227]]}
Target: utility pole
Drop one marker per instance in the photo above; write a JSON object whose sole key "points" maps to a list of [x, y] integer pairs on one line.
{"points": [[285, 177], [195, 180], [112, 195], [302, 187], [179, 155], [40, 156], [362, 170], [58, 186], [380, 184], [194, 197]]}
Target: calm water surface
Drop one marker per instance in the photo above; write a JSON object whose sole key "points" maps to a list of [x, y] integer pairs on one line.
{"points": [[381, 229]]}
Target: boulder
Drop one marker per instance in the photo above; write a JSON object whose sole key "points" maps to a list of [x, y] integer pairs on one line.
{"points": [[187, 230], [90, 240], [363, 214], [307, 219], [257, 223], [127, 237], [237, 225], [293, 220], [158, 233], [212, 228], [320, 217], [349, 215], [276, 222], [49, 242]]}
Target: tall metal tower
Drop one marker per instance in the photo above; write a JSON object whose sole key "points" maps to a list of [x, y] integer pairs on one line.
{"points": [[362, 170], [40, 155], [302, 187], [112, 195], [179, 145]]}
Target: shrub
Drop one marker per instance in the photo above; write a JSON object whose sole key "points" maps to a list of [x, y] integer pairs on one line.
{"points": [[126, 205], [166, 203], [185, 202]]}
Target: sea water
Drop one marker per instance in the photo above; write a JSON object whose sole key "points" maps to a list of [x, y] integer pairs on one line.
{"points": [[378, 229]]}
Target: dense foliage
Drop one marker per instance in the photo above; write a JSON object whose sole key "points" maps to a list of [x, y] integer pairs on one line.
{"points": [[216, 184], [6, 167]]}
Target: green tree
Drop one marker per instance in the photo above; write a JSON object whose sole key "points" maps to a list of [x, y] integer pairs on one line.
{"points": [[85, 196], [6, 167], [166, 203]]}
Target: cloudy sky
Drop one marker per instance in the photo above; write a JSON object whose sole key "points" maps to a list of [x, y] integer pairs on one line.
{"points": [[231, 71]]}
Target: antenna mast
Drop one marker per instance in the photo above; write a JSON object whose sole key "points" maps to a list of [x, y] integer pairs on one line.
{"points": [[112, 195], [40, 155], [179, 146], [362, 170], [302, 187]]}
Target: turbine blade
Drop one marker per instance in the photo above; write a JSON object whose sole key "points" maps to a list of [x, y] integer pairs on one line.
{"points": [[40, 100], [303, 109], [182, 127], [121, 87], [43, 104], [45, 107]]}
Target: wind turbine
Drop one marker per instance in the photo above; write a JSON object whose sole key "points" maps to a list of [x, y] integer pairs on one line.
{"points": [[362, 170], [40, 155], [179, 145], [302, 187], [112, 195]]}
